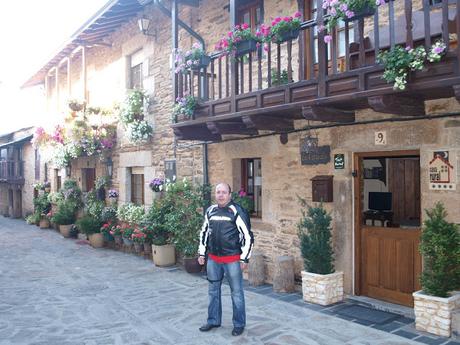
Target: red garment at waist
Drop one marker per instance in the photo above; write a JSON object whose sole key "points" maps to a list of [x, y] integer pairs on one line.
{"points": [[225, 259]]}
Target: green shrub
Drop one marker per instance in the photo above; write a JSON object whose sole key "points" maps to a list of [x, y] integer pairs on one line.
{"points": [[109, 214], [440, 248], [65, 214], [314, 231], [41, 204], [131, 213], [89, 225], [33, 218]]}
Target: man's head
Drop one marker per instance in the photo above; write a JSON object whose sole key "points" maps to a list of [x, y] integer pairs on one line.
{"points": [[223, 194]]}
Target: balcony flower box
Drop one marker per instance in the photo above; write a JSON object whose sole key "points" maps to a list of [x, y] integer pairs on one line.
{"points": [[202, 62], [245, 47], [288, 36]]}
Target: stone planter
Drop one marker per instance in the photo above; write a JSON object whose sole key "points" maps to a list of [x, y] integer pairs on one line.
{"points": [[96, 240], [65, 230], [44, 224], [164, 255], [323, 289], [434, 314]]}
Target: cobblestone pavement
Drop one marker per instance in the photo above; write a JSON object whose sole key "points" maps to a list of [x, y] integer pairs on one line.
{"points": [[56, 291]]}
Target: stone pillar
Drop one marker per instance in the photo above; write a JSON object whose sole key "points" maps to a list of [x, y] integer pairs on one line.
{"points": [[283, 280], [323, 289], [256, 269]]}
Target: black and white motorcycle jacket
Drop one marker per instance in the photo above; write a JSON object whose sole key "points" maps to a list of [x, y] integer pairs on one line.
{"points": [[226, 231]]}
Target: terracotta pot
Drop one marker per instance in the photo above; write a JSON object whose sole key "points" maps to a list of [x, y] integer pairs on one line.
{"points": [[191, 265], [96, 240], [164, 255], [44, 224], [65, 230]]}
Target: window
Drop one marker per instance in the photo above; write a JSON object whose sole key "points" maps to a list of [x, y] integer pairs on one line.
{"points": [[137, 188], [37, 165], [251, 181], [3, 155], [135, 71], [250, 13]]}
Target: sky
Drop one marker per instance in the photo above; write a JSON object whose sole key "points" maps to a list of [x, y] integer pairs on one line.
{"points": [[31, 32]]}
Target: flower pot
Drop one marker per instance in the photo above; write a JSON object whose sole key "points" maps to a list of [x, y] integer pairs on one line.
{"points": [[203, 63], [75, 106], [65, 230], [47, 189], [44, 224], [138, 247], [323, 289], [191, 265], [127, 241], [287, 36], [118, 239], [96, 240], [147, 248], [364, 12], [245, 47], [113, 201], [164, 255], [434, 314], [108, 237]]}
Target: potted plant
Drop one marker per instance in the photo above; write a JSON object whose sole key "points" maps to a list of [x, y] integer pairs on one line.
{"points": [[126, 234], [285, 28], [101, 183], [440, 249], [64, 217], [106, 231], [399, 62], [156, 185], [33, 218], [132, 117], [75, 104], [47, 186], [184, 108], [91, 226], [194, 59], [347, 10], [113, 196], [320, 283], [239, 41], [115, 231], [138, 238]]}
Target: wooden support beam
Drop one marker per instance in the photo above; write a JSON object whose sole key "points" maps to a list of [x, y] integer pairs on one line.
{"points": [[398, 105], [328, 114], [230, 128], [195, 133], [270, 123]]}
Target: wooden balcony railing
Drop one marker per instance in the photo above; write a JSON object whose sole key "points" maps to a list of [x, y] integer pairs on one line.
{"points": [[12, 171], [231, 88]]}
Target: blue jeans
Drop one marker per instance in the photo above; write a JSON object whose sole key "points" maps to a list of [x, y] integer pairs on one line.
{"points": [[234, 275]]}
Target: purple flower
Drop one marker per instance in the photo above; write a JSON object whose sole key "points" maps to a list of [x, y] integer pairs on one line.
{"points": [[349, 14], [438, 50], [327, 39]]}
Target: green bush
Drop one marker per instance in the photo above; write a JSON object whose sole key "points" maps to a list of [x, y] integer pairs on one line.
{"points": [[440, 248], [65, 214], [314, 231], [89, 225], [33, 218], [109, 214], [131, 213], [41, 204], [155, 222]]}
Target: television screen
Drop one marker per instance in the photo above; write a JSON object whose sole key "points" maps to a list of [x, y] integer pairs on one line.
{"points": [[380, 201]]}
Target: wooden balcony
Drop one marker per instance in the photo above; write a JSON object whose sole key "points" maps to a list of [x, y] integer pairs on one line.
{"points": [[238, 96], [12, 171]]}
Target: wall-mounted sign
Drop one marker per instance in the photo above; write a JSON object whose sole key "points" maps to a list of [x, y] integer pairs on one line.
{"points": [[170, 170], [339, 161], [315, 155], [380, 138], [442, 176]]}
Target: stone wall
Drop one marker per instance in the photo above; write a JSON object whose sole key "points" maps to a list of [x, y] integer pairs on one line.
{"points": [[323, 289]]}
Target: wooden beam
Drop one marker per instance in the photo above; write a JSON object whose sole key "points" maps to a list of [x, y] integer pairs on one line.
{"points": [[230, 128], [270, 123], [328, 114], [398, 105], [195, 133]]}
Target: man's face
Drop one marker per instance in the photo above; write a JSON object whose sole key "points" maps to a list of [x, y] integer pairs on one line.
{"points": [[222, 194]]}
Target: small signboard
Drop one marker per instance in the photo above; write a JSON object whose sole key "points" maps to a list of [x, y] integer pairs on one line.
{"points": [[442, 172], [315, 155], [380, 138], [170, 170], [339, 161]]}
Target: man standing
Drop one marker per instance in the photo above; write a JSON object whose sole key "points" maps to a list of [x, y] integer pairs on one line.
{"points": [[227, 239]]}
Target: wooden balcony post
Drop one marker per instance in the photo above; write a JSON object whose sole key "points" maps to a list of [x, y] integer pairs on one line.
{"points": [[175, 45], [408, 10], [322, 54], [233, 65]]}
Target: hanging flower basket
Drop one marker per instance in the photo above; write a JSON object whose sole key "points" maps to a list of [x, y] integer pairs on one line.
{"points": [[245, 47], [364, 12], [202, 62]]}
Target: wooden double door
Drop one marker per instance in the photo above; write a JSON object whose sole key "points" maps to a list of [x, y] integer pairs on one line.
{"points": [[387, 258]]}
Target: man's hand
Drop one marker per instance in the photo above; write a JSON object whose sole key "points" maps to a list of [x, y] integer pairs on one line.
{"points": [[243, 265], [201, 260]]}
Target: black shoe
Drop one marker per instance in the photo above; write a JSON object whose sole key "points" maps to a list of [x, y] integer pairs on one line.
{"points": [[208, 327], [237, 331]]}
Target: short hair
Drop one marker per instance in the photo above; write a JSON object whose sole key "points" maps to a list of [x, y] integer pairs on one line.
{"points": [[225, 184]]}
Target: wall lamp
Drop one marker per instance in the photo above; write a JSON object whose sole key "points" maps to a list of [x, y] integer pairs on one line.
{"points": [[68, 170], [144, 26], [109, 167]]}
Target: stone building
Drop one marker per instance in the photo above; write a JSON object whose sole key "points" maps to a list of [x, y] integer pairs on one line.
{"points": [[20, 168], [332, 130]]}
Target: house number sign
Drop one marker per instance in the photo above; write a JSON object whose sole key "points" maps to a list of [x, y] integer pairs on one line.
{"points": [[380, 138], [442, 172]]}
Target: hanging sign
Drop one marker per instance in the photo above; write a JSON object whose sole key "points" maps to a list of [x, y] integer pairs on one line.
{"points": [[315, 155], [442, 172]]}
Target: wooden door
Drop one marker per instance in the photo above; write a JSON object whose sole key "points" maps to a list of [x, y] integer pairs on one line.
{"points": [[388, 262], [90, 177]]}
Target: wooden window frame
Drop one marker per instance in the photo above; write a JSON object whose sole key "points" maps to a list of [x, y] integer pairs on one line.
{"points": [[244, 183]]}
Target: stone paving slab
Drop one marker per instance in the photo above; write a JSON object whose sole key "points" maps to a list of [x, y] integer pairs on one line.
{"points": [[55, 291]]}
